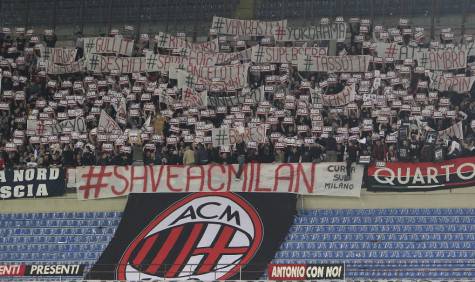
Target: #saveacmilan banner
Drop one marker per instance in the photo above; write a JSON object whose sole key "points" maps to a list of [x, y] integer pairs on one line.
{"points": [[422, 176], [196, 236], [95, 182], [31, 183]]}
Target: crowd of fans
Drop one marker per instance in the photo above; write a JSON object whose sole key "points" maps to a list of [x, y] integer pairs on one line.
{"points": [[296, 140]]}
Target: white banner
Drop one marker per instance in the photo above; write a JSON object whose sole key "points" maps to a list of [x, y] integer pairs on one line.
{"points": [[237, 98], [432, 59], [194, 99], [333, 31], [60, 56], [105, 64], [346, 96], [94, 182], [232, 76], [456, 83], [286, 55], [108, 45], [74, 67], [77, 124], [197, 57], [247, 134], [41, 127], [228, 26], [168, 41], [357, 63]]}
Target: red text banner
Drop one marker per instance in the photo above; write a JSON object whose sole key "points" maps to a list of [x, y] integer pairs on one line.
{"points": [[401, 176], [228, 26], [108, 45], [358, 63], [95, 182], [285, 55], [105, 64]]}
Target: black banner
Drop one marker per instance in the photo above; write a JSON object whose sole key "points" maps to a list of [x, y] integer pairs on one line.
{"points": [[197, 236], [32, 183], [55, 270], [409, 177]]}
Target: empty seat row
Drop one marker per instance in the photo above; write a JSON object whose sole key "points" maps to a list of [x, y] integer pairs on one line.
{"points": [[379, 237], [389, 212], [438, 245], [60, 215], [35, 248], [426, 228], [24, 231], [380, 254], [48, 256], [59, 223], [388, 219], [54, 239]]}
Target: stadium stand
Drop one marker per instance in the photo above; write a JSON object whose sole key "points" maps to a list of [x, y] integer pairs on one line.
{"points": [[385, 243], [373, 243]]}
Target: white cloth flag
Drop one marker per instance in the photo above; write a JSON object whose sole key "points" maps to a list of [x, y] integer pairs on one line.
{"points": [[108, 124]]}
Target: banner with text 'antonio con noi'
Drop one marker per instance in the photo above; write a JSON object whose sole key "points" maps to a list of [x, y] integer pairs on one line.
{"points": [[407, 177], [196, 236], [95, 182]]}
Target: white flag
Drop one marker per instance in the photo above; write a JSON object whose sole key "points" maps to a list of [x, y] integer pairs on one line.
{"points": [[108, 124]]}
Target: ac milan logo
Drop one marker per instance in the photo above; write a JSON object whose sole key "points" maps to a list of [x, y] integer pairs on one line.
{"points": [[204, 236]]}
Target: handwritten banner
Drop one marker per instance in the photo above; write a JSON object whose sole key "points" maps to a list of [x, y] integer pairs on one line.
{"points": [[358, 63], [105, 64], [60, 56], [237, 27], [74, 67], [346, 96], [168, 41], [233, 76], [456, 83], [432, 59], [96, 182], [333, 31], [108, 45], [286, 55], [237, 98]]}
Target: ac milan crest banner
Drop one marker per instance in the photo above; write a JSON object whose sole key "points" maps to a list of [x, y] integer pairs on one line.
{"points": [[408, 177], [196, 236]]}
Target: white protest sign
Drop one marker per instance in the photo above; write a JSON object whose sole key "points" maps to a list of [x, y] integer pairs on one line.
{"points": [[248, 134], [77, 124], [299, 178], [357, 63], [105, 64], [233, 76], [456, 83], [39, 127], [346, 96], [220, 137], [433, 59], [333, 31], [286, 55], [227, 26], [60, 56], [74, 67], [237, 98], [194, 99], [167, 41], [108, 45]]}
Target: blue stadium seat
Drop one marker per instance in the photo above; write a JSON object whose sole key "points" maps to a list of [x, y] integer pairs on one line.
{"points": [[386, 243]]}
